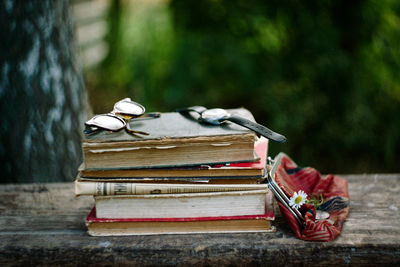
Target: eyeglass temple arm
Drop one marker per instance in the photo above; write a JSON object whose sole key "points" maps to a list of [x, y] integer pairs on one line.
{"points": [[129, 130], [150, 115]]}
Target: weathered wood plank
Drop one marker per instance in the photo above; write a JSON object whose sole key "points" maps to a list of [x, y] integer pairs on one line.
{"points": [[44, 224]]}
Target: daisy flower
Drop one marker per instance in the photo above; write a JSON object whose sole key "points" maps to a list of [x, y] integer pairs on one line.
{"points": [[298, 199]]}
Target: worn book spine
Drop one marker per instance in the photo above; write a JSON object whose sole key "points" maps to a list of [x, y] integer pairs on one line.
{"points": [[243, 169], [181, 205], [172, 141], [105, 188], [167, 156], [145, 226]]}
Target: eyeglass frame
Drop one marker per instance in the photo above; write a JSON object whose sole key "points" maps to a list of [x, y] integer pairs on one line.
{"points": [[120, 115]]}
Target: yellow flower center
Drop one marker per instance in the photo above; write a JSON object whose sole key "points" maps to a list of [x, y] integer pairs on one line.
{"points": [[298, 199]]}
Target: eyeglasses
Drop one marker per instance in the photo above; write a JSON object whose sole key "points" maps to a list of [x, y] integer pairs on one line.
{"points": [[118, 119]]}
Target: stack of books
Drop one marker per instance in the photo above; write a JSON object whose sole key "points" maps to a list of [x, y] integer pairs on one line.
{"points": [[183, 177]]}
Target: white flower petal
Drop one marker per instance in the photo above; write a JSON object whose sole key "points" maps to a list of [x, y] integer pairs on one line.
{"points": [[298, 199]]}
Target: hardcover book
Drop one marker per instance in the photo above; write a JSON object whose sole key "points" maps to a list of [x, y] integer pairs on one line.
{"points": [[240, 169], [178, 180], [151, 226], [110, 188], [173, 140], [182, 205]]}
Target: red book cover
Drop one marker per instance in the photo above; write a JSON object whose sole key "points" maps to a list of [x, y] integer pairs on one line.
{"points": [[260, 147], [267, 216]]}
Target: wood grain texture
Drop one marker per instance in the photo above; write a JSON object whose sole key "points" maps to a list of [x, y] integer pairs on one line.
{"points": [[44, 224]]}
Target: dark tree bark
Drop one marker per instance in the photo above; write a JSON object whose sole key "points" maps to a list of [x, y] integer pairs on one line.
{"points": [[43, 101]]}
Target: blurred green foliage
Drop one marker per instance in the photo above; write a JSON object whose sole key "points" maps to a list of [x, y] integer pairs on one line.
{"points": [[324, 73]]}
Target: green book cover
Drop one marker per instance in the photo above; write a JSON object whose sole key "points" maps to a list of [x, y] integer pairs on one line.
{"points": [[173, 140]]}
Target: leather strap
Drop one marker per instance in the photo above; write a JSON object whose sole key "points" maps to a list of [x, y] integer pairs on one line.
{"points": [[198, 109], [189, 112], [258, 128]]}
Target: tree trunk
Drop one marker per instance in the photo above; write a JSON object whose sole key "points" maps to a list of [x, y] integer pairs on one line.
{"points": [[43, 102]]}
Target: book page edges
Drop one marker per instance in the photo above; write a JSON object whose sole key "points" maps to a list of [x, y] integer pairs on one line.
{"points": [[194, 227], [260, 148], [177, 141], [96, 232], [183, 180], [185, 195], [107, 188], [268, 215], [176, 157]]}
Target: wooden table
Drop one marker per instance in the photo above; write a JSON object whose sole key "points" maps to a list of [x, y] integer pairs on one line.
{"points": [[44, 224]]}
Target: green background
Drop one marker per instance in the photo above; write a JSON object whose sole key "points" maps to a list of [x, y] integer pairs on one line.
{"points": [[323, 73]]}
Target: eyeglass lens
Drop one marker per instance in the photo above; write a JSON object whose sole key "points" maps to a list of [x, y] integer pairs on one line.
{"points": [[106, 121], [123, 111], [129, 108]]}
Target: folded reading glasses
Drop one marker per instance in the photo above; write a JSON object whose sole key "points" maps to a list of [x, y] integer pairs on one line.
{"points": [[118, 119]]}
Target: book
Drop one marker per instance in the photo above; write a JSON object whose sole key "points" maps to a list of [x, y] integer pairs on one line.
{"points": [[111, 188], [151, 226], [173, 140], [230, 170], [229, 224], [214, 204], [178, 180]]}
